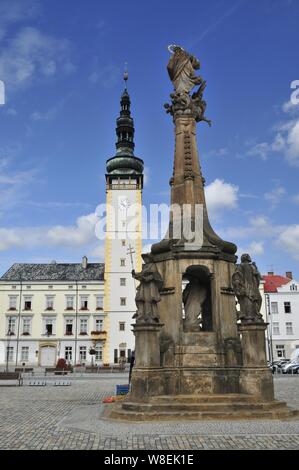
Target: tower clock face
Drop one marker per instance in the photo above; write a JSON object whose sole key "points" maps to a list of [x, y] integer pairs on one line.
{"points": [[124, 203]]}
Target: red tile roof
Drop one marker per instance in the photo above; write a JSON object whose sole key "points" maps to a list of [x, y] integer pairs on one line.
{"points": [[274, 281]]}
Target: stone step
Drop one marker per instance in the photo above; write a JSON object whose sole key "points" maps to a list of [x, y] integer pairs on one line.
{"points": [[202, 407], [204, 398], [126, 415]]}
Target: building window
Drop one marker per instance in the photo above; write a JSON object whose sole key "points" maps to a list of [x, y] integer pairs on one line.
{"points": [[122, 281], [13, 302], [274, 307], [123, 243], [82, 353], [122, 326], [27, 303], [293, 287], [83, 287], [49, 302], [50, 287], [83, 326], [69, 326], [123, 262], [9, 353], [276, 328], [70, 302], [13, 287], [11, 326], [280, 350], [68, 353], [99, 353], [99, 324], [287, 307], [115, 356], [49, 326], [289, 328], [71, 287], [99, 302], [25, 354], [26, 326], [123, 301], [84, 302]]}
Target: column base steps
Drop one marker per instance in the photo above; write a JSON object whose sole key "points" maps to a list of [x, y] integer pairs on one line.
{"points": [[199, 407]]}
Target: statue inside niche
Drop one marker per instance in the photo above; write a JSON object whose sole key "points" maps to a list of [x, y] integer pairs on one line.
{"points": [[194, 296]]}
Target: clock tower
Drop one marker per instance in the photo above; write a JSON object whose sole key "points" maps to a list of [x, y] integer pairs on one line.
{"points": [[123, 243]]}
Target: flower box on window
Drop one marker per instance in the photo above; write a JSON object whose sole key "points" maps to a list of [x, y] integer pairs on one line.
{"points": [[10, 333], [83, 308], [68, 333], [69, 308], [83, 333], [49, 308], [12, 309], [26, 333]]}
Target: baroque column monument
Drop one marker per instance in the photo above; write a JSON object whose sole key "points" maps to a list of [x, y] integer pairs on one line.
{"points": [[198, 354]]}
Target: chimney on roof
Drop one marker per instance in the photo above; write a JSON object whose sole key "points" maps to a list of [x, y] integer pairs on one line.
{"points": [[270, 273], [84, 262], [289, 274]]}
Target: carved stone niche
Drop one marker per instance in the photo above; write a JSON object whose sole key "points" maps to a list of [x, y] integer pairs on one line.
{"points": [[196, 299]]}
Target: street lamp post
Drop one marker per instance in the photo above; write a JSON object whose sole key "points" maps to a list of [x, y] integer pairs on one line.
{"points": [[19, 320], [269, 328], [8, 345]]}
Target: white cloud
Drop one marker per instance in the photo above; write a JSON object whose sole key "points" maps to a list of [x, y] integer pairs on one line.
{"points": [[107, 75], [82, 233], [296, 199], [275, 196], [217, 152], [30, 55], [13, 184], [253, 249], [221, 196], [289, 240]]}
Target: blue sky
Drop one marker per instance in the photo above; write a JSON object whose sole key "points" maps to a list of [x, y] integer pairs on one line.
{"points": [[62, 64]]}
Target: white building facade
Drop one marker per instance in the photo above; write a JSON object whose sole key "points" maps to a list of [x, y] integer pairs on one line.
{"points": [[123, 244], [282, 307], [52, 311]]}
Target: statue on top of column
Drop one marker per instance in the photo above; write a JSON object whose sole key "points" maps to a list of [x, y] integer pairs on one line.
{"points": [[245, 281], [181, 70]]}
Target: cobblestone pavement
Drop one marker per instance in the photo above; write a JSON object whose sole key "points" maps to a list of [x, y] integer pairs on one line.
{"points": [[69, 418]]}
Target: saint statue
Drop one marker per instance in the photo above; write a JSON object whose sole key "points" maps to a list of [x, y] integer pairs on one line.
{"points": [[245, 282], [148, 292], [194, 296], [181, 70]]}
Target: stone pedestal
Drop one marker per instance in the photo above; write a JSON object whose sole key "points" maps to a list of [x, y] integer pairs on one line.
{"points": [[253, 344], [146, 376], [255, 377]]}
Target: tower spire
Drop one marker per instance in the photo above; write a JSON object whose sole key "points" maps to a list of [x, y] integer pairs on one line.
{"points": [[125, 162]]}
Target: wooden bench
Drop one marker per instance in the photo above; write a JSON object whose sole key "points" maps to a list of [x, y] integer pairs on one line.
{"points": [[12, 376]]}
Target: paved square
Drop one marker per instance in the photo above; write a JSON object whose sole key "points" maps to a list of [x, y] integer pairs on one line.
{"points": [[69, 417]]}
